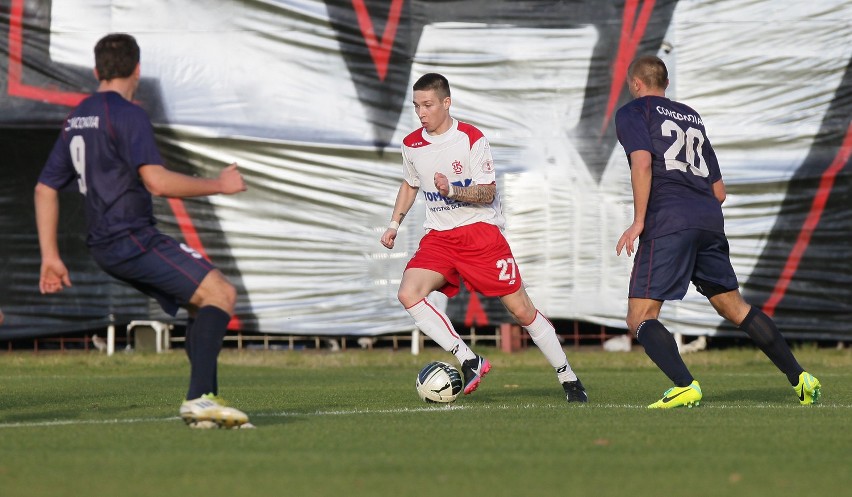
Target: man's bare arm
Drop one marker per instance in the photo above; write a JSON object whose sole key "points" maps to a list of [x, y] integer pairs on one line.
{"points": [[474, 194], [162, 182], [404, 200]]}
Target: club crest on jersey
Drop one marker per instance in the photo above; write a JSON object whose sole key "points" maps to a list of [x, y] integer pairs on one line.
{"points": [[457, 167]]}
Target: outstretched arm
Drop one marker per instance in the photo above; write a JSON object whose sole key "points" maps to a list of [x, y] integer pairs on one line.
{"points": [[640, 178], [404, 200], [54, 274], [164, 183]]}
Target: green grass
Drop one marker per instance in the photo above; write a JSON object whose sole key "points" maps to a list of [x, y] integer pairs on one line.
{"points": [[350, 424]]}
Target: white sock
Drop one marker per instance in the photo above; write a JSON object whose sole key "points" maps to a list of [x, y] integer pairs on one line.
{"points": [[544, 335], [436, 325]]}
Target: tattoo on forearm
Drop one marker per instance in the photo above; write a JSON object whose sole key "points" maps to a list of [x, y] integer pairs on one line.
{"points": [[401, 217], [475, 194]]}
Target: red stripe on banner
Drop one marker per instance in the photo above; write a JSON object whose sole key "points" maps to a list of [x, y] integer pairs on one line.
{"points": [[380, 52], [631, 35], [15, 86], [187, 229], [817, 207], [475, 314]]}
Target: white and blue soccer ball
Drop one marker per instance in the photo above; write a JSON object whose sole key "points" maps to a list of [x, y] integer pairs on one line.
{"points": [[438, 382]]}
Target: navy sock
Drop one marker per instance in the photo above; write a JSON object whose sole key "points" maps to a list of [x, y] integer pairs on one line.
{"points": [[187, 343], [761, 328], [208, 331], [661, 347]]}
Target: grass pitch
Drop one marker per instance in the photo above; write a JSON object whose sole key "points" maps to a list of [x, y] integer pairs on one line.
{"points": [[351, 424]]}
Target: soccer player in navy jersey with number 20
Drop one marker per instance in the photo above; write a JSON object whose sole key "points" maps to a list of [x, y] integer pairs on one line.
{"points": [[677, 201], [108, 151]]}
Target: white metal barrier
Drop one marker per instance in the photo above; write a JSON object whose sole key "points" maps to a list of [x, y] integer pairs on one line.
{"points": [[162, 335]]}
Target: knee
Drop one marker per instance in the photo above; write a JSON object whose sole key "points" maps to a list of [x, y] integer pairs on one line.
{"points": [[225, 297], [230, 297], [725, 314], [633, 324], [407, 297], [731, 306], [526, 318], [635, 320], [641, 310], [524, 314], [734, 313], [221, 294]]}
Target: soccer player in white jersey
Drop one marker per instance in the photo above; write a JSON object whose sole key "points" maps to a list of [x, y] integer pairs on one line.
{"points": [[450, 161]]}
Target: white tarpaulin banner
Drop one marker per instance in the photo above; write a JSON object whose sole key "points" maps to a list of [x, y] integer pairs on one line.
{"points": [[312, 99]]}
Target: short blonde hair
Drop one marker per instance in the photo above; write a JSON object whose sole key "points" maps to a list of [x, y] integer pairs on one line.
{"points": [[650, 70]]}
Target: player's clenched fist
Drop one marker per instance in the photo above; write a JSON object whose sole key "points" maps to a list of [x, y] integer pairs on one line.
{"points": [[389, 237], [231, 180]]}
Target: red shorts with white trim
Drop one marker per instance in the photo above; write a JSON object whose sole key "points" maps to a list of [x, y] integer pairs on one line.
{"points": [[478, 253]]}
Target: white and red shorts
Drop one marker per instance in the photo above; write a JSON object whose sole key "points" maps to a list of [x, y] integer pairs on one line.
{"points": [[478, 252]]}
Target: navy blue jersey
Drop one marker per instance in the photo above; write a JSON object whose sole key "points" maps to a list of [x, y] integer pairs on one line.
{"points": [[684, 165], [102, 145]]}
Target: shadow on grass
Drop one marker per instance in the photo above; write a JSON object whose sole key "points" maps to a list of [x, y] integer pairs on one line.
{"points": [[261, 420], [767, 395]]}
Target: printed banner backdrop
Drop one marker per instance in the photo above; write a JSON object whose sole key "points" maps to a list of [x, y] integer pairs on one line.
{"points": [[312, 99]]}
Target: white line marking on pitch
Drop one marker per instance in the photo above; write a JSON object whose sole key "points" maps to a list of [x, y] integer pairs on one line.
{"points": [[403, 410], [72, 422]]}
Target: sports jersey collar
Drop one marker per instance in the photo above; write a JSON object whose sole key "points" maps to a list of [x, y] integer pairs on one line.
{"points": [[443, 136]]}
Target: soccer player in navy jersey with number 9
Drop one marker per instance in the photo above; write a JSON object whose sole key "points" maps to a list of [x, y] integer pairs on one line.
{"points": [[677, 202], [108, 151]]}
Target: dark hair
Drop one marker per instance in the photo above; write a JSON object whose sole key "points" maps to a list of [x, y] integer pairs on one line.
{"points": [[433, 81], [116, 56], [650, 69]]}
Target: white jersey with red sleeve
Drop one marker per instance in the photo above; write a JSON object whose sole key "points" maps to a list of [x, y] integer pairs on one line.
{"points": [[463, 155]]}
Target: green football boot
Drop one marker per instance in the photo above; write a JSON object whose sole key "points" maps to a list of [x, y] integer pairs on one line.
{"points": [[808, 390], [689, 396]]}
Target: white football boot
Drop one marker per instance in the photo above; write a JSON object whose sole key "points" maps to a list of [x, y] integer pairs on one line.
{"points": [[208, 411]]}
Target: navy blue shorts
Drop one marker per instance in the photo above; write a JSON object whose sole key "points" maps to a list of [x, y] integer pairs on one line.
{"points": [[664, 266], [155, 264]]}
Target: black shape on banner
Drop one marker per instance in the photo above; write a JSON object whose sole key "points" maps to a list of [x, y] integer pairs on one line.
{"points": [[379, 39], [802, 276], [367, 28], [33, 90], [377, 43]]}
